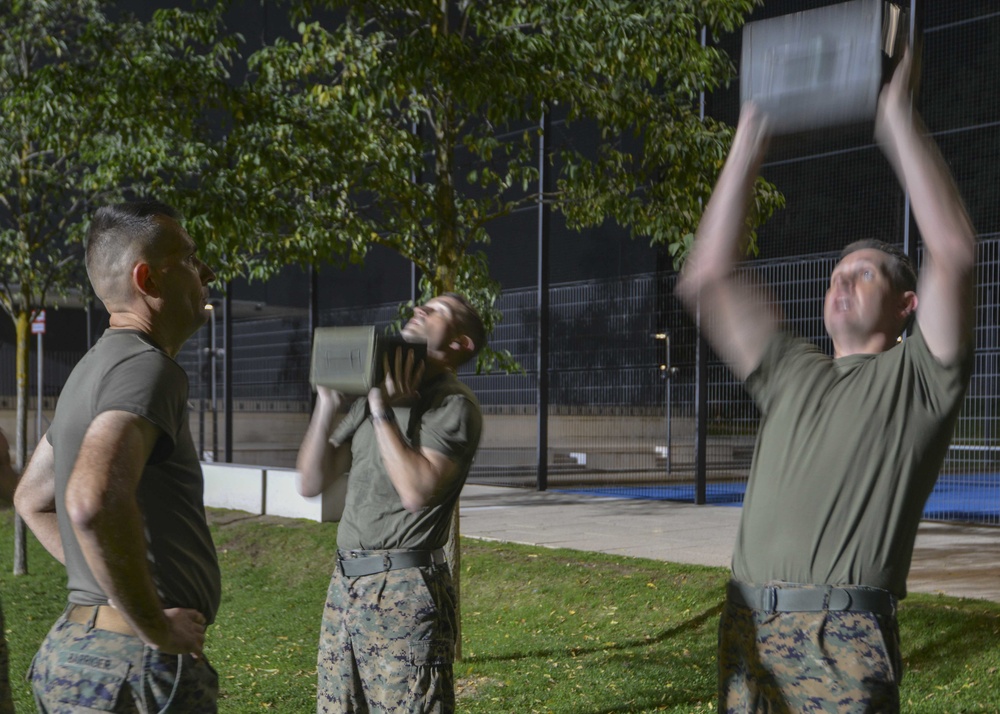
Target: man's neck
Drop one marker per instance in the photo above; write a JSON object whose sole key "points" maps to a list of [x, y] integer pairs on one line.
{"points": [[434, 368], [132, 321], [873, 345]]}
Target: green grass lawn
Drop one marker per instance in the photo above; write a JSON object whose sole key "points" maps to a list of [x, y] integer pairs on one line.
{"points": [[543, 630]]}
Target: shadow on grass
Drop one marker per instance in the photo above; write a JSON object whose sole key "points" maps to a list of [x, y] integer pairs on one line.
{"points": [[687, 626], [941, 641]]}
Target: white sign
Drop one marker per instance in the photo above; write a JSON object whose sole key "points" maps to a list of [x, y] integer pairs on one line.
{"points": [[38, 324]]}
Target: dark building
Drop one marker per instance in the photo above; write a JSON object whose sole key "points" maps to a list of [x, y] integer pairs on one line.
{"points": [[611, 304]]}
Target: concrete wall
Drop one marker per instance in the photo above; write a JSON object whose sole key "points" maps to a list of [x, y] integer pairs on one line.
{"points": [[271, 439], [269, 491]]}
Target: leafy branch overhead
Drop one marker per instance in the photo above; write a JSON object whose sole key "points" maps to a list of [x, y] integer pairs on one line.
{"points": [[91, 110], [415, 126]]}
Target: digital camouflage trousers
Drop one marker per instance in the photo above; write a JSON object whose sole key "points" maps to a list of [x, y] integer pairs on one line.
{"points": [[836, 662], [82, 669], [387, 643]]}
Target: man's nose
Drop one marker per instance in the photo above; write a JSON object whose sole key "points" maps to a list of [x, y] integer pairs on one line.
{"points": [[207, 274]]}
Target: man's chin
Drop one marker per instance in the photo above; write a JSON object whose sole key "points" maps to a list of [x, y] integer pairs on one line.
{"points": [[413, 336]]}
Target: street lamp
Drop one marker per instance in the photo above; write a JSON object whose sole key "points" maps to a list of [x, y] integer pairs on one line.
{"points": [[667, 372], [214, 353]]}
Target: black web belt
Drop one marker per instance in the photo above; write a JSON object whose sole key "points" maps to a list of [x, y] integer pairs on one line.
{"points": [[358, 563], [812, 598]]}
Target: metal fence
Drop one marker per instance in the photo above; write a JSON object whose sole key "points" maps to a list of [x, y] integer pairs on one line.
{"points": [[619, 420]]}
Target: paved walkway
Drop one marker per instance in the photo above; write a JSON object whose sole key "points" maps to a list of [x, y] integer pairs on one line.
{"points": [[963, 561]]}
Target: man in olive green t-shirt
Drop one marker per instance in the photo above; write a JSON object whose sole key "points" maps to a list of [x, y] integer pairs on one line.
{"points": [[387, 641], [114, 490], [849, 447]]}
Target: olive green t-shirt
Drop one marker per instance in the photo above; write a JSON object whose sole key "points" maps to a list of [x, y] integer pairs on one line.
{"points": [[126, 371], [446, 419], [847, 453]]}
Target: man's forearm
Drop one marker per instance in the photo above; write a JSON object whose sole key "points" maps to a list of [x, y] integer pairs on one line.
{"points": [[741, 324], [315, 461], [722, 231], [938, 208], [45, 526], [416, 478], [35, 499], [114, 545]]}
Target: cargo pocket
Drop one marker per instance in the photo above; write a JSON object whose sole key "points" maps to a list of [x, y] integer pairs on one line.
{"points": [[89, 682], [432, 653], [177, 684]]}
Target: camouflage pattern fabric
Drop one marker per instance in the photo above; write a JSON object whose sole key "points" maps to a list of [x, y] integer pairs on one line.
{"points": [[80, 669], [837, 662], [387, 643], [6, 702]]}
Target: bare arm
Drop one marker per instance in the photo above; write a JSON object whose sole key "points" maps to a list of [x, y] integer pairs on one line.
{"points": [[735, 320], [418, 475], [101, 504], [319, 461], [946, 287], [8, 476], [35, 499]]}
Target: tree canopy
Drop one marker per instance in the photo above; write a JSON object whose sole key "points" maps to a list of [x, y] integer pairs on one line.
{"points": [[92, 109], [415, 126]]}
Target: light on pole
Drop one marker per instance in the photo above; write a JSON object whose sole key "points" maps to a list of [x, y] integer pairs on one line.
{"points": [[213, 353], [667, 372]]}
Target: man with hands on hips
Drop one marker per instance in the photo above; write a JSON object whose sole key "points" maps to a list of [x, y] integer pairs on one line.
{"points": [[114, 489], [387, 641]]}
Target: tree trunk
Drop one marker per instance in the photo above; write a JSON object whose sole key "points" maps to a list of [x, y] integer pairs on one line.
{"points": [[21, 326]]}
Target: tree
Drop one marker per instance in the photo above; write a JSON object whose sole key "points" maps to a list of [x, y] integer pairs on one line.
{"points": [[91, 110], [414, 126]]}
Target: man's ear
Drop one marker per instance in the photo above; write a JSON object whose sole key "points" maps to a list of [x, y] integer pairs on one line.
{"points": [[463, 343], [144, 281], [908, 304]]}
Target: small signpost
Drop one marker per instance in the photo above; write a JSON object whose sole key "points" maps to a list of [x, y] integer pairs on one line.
{"points": [[38, 328]]}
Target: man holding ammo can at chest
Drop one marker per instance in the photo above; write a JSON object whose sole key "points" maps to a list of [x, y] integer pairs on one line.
{"points": [[388, 634]]}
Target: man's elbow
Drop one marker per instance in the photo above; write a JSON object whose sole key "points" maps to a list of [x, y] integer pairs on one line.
{"points": [[690, 285], [23, 502], [306, 486], [686, 290], [84, 509]]}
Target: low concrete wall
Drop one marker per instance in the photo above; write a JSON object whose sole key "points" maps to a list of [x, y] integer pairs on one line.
{"points": [[269, 491]]}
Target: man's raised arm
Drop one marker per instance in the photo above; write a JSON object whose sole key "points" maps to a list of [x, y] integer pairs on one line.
{"points": [[736, 322], [946, 287]]}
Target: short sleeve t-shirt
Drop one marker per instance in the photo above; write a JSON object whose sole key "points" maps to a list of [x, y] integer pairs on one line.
{"points": [[447, 419], [125, 371], [847, 453]]}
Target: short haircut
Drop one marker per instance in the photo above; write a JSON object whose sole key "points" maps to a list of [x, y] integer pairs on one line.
{"points": [[899, 268], [468, 322], [119, 235]]}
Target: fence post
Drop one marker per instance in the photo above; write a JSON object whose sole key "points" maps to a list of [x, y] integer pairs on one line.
{"points": [[543, 308], [700, 415], [227, 369]]}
